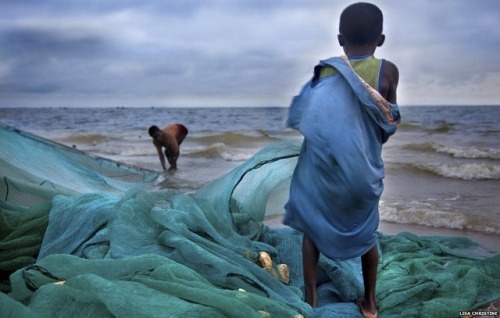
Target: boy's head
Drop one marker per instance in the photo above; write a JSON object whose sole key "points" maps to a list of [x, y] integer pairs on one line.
{"points": [[361, 24], [153, 130]]}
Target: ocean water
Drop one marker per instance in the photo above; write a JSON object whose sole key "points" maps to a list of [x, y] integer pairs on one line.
{"points": [[442, 165]]}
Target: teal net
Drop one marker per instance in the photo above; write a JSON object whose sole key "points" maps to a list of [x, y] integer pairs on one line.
{"points": [[120, 247]]}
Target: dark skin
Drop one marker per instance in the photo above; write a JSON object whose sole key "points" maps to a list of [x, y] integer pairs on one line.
{"points": [[369, 260], [169, 138], [390, 76]]}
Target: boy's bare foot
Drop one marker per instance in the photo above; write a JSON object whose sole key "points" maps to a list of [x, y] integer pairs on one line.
{"points": [[367, 310]]}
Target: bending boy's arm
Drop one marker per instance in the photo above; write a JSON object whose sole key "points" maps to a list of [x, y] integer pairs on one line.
{"points": [[162, 158]]}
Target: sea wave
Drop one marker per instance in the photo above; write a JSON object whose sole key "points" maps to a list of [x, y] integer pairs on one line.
{"points": [[455, 151], [438, 127], [220, 149], [426, 214], [231, 138], [467, 171], [83, 139], [409, 126], [215, 150]]}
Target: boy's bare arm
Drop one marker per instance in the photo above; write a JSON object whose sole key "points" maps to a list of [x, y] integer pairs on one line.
{"points": [[390, 79], [160, 155]]}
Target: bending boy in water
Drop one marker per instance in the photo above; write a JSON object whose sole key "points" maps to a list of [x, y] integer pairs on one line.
{"points": [[346, 112], [169, 138]]}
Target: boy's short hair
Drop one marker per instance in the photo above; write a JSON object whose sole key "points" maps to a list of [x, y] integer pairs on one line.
{"points": [[153, 130], [361, 23]]}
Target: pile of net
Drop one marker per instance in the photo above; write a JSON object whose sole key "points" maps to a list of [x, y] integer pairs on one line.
{"points": [[124, 248]]}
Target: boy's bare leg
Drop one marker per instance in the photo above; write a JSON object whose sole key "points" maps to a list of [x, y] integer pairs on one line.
{"points": [[310, 257], [369, 263]]}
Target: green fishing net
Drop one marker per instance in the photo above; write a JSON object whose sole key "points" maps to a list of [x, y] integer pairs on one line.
{"points": [[120, 247]]}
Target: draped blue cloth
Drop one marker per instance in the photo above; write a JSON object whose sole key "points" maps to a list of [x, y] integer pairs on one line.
{"points": [[338, 180]]}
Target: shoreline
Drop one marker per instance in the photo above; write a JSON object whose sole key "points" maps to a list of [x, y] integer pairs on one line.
{"points": [[488, 241]]}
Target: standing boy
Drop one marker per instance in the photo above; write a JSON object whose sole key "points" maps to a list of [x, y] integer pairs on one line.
{"points": [[169, 138], [346, 112]]}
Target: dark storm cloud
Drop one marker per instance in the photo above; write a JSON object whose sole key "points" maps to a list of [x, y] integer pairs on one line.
{"points": [[25, 42], [224, 52], [45, 60]]}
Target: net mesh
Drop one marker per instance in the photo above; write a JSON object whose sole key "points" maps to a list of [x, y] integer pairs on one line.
{"points": [[132, 250]]}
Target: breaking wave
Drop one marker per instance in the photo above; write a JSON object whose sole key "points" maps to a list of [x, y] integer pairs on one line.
{"points": [[471, 152], [467, 171], [426, 214]]}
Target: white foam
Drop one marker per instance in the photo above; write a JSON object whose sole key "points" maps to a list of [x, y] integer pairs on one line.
{"points": [[430, 215], [233, 154], [468, 152], [422, 214], [468, 171]]}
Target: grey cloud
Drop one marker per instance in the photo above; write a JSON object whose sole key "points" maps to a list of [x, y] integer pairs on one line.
{"points": [[255, 51], [25, 87], [90, 54], [47, 61], [25, 42]]}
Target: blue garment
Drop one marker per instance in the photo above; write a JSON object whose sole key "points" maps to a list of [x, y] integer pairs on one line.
{"points": [[338, 180]]}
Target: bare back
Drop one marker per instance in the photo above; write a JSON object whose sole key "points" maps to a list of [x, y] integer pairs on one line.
{"points": [[170, 138]]}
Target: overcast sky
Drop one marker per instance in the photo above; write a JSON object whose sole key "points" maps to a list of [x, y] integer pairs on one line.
{"points": [[233, 52]]}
